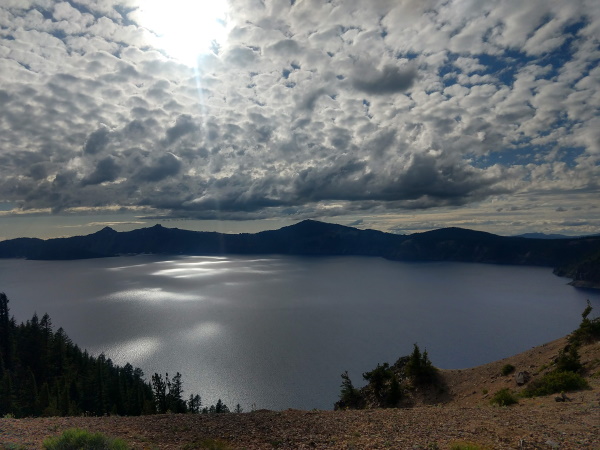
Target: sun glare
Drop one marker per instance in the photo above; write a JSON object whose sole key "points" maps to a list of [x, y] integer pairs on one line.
{"points": [[185, 29]]}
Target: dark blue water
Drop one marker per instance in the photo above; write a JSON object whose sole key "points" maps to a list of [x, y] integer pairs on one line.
{"points": [[277, 332]]}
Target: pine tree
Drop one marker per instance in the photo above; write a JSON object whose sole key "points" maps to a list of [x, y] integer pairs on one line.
{"points": [[194, 404], [221, 407], [159, 387], [349, 395], [5, 332]]}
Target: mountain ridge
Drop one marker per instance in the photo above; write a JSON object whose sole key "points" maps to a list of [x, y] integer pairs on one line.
{"points": [[577, 258]]}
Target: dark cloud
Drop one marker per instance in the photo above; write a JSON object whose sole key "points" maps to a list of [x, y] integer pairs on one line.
{"points": [[38, 171], [107, 169], [184, 125], [4, 97], [424, 181], [389, 80], [97, 141], [165, 166]]}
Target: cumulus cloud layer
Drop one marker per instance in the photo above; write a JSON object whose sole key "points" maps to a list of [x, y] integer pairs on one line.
{"points": [[308, 108]]}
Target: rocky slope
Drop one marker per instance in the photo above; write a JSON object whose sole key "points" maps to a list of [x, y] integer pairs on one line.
{"points": [[465, 417]]}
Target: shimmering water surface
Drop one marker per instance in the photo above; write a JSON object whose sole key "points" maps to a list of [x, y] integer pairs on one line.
{"points": [[277, 332]]}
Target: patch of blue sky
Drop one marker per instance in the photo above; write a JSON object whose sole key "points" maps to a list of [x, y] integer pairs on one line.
{"points": [[506, 66], [506, 157], [407, 55], [502, 67], [58, 34], [124, 11], [563, 54], [448, 74], [569, 155], [46, 13], [524, 155]]}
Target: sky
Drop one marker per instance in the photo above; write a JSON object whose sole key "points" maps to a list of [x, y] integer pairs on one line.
{"points": [[243, 115]]}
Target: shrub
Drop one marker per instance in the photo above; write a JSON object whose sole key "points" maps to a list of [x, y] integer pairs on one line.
{"points": [[568, 360], [589, 329], [395, 393], [507, 369], [76, 439], [378, 377], [349, 395], [419, 368], [504, 397], [555, 382]]}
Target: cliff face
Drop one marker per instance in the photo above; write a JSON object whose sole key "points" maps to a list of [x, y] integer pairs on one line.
{"points": [[585, 273], [577, 258]]}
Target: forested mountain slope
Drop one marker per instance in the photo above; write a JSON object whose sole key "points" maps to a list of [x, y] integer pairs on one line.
{"points": [[573, 257]]}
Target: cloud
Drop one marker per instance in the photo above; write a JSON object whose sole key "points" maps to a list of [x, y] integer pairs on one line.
{"points": [[107, 169], [165, 166], [389, 80], [97, 141], [312, 108], [184, 125]]}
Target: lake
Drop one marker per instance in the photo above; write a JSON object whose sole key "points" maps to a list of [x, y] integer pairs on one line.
{"points": [[277, 332]]}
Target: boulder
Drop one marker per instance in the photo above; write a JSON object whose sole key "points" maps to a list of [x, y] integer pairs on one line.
{"points": [[522, 377]]}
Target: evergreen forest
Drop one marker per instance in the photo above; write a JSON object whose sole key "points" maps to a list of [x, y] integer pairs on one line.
{"points": [[43, 373]]}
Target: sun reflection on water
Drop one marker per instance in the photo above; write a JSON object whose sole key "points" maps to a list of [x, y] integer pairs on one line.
{"points": [[134, 351]]}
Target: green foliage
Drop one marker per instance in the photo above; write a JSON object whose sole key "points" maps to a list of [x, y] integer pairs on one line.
{"points": [[568, 360], [218, 408], [555, 382], [168, 394], [395, 393], [504, 397], [419, 368], [76, 439], [507, 369], [589, 329], [566, 374], [194, 404], [4, 446], [350, 397], [43, 373], [378, 377]]}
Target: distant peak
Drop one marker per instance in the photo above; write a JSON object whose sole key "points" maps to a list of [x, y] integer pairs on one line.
{"points": [[106, 230], [157, 226], [315, 226], [310, 223]]}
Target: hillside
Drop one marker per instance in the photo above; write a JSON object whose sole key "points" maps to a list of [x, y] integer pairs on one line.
{"points": [[576, 258], [466, 416]]}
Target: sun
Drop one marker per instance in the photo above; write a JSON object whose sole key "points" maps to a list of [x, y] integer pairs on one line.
{"points": [[185, 29]]}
